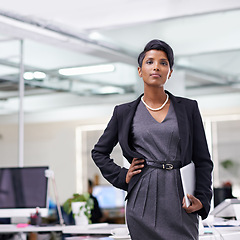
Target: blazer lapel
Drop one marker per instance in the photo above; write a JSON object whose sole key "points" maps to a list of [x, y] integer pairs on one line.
{"points": [[182, 124], [127, 120]]}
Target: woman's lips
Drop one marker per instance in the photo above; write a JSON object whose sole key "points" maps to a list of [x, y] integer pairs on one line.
{"points": [[155, 75]]}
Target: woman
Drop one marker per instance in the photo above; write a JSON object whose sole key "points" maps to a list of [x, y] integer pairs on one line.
{"points": [[158, 134]]}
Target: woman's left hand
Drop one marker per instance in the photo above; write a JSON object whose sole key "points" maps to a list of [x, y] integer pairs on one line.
{"points": [[194, 206]]}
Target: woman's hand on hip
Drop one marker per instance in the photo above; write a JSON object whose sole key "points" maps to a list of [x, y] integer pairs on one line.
{"points": [[135, 168], [194, 206]]}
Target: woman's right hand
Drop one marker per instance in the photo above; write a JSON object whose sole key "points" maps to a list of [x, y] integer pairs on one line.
{"points": [[135, 168]]}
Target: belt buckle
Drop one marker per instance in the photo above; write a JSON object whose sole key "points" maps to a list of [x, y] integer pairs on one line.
{"points": [[168, 166]]}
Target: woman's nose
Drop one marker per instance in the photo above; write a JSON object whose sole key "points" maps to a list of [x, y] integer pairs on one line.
{"points": [[156, 67]]}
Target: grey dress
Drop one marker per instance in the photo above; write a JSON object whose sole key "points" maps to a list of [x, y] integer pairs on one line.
{"points": [[154, 208]]}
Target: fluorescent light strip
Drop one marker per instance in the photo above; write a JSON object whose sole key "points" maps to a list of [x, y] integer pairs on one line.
{"points": [[28, 76], [87, 70], [34, 75], [39, 75]]}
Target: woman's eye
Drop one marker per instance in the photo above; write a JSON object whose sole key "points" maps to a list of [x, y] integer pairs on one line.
{"points": [[164, 63], [149, 62]]}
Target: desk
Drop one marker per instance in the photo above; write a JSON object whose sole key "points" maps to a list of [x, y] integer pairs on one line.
{"points": [[22, 232], [228, 233], [225, 236], [101, 228], [11, 228]]}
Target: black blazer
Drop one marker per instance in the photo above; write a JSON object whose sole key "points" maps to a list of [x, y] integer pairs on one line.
{"points": [[193, 147]]}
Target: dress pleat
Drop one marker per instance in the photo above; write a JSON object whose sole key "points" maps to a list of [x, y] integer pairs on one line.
{"points": [[145, 196], [136, 195]]}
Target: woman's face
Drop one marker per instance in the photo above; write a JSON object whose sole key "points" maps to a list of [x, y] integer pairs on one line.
{"points": [[155, 70]]}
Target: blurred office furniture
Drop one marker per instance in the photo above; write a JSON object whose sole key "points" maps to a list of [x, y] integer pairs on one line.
{"points": [[222, 193], [229, 208], [112, 203]]}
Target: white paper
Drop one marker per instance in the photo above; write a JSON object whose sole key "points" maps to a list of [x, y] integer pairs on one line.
{"points": [[188, 177]]}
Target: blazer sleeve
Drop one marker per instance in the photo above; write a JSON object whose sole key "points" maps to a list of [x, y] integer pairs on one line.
{"points": [[203, 164], [112, 172]]}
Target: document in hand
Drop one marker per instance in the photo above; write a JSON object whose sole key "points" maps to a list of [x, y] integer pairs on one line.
{"points": [[188, 177]]}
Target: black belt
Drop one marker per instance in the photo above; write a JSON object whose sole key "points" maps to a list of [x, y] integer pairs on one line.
{"points": [[165, 165]]}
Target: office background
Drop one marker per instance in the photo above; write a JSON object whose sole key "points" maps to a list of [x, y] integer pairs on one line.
{"points": [[62, 114]]}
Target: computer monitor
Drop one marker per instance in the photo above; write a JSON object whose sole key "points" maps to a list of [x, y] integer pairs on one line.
{"points": [[229, 208], [22, 190], [108, 196], [221, 193]]}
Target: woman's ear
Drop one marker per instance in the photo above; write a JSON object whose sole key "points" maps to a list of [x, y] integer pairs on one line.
{"points": [[140, 72], [170, 74]]}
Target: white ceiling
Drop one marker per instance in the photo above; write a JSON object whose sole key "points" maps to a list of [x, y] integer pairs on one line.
{"points": [[87, 15], [204, 34]]}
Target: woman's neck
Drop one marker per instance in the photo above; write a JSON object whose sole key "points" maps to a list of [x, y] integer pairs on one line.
{"points": [[155, 96]]}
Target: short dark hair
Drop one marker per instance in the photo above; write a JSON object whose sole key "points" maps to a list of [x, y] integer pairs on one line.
{"points": [[158, 45]]}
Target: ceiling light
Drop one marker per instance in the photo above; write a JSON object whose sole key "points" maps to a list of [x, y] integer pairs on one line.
{"points": [[108, 90], [35, 75], [28, 76], [39, 75], [87, 70], [95, 35]]}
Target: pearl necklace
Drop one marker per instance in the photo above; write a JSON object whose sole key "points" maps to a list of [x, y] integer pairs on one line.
{"points": [[156, 109]]}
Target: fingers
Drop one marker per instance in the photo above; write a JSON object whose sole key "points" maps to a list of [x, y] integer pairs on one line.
{"points": [[184, 201], [137, 164], [135, 168], [194, 206]]}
